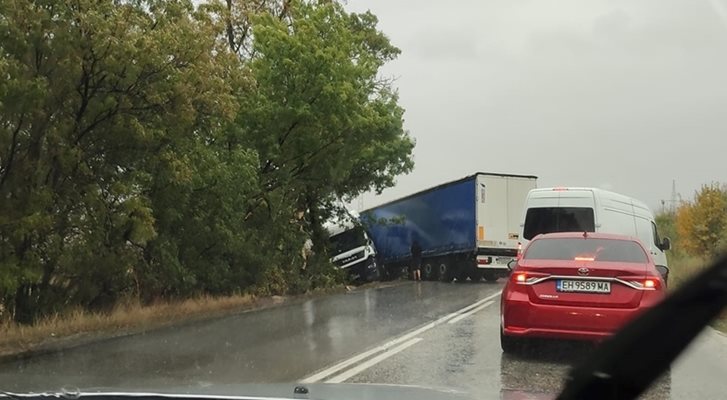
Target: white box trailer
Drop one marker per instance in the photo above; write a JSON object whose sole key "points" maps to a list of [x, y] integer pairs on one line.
{"points": [[500, 204]]}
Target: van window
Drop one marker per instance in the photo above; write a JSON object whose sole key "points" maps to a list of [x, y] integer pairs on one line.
{"points": [[644, 232], [657, 239], [558, 219]]}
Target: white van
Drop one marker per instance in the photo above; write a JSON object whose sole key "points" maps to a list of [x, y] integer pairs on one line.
{"points": [[573, 209]]}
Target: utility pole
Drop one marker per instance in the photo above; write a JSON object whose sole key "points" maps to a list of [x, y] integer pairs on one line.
{"points": [[673, 201]]}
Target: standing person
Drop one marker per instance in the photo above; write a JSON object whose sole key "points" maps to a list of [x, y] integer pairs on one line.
{"points": [[416, 260]]}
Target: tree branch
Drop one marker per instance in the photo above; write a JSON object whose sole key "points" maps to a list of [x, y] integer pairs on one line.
{"points": [[13, 145]]}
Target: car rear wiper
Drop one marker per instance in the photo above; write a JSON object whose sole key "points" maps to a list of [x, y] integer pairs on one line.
{"points": [[624, 366]]}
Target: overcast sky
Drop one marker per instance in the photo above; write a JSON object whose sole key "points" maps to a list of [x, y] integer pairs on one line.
{"points": [[619, 94]]}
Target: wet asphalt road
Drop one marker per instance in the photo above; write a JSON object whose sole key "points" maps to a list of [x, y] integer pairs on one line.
{"points": [[425, 342]]}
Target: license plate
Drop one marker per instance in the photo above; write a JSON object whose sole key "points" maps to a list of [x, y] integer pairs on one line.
{"points": [[565, 285]]}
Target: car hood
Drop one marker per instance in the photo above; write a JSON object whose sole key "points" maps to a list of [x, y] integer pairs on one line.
{"points": [[319, 391]]}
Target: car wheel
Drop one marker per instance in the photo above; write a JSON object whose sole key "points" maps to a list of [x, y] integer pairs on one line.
{"points": [[510, 344]]}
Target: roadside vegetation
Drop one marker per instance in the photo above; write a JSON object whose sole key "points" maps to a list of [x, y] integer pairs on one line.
{"points": [[698, 229], [161, 151]]}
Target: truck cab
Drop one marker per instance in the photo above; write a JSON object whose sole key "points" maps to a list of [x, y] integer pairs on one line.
{"points": [[352, 249]]}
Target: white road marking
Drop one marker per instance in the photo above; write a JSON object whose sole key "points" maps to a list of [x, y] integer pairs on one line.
{"points": [[353, 360], [470, 312], [371, 362]]}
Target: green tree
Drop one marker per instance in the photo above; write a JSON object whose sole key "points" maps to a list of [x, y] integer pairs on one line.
{"points": [[323, 122], [100, 97], [155, 149], [701, 224]]}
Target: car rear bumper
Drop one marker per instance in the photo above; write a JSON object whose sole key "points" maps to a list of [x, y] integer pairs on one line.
{"points": [[525, 319]]}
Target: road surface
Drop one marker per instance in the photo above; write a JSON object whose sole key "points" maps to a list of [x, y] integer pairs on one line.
{"points": [[431, 334]]}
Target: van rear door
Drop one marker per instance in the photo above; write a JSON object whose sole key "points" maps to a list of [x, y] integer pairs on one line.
{"points": [[558, 210]]}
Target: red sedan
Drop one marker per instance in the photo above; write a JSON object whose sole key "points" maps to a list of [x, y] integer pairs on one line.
{"points": [[582, 286]]}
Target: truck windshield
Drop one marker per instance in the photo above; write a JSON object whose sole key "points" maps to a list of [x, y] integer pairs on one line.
{"points": [[347, 240], [558, 219], [609, 250]]}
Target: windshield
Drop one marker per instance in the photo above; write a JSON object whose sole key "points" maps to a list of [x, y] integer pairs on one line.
{"points": [[607, 250], [171, 172], [348, 240]]}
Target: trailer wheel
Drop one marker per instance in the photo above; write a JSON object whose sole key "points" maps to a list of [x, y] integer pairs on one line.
{"points": [[476, 275], [429, 273], [461, 274], [490, 276], [444, 272]]}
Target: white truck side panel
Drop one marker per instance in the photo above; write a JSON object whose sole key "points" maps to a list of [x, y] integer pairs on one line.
{"points": [[500, 203]]}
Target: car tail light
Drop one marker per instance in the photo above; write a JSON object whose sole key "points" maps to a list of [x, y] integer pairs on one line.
{"points": [[644, 283], [525, 278]]}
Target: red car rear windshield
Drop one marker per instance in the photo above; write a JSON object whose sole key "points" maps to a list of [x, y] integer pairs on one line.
{"points": [[586, 250]]}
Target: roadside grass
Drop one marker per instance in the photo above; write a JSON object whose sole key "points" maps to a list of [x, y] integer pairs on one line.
{"points": [[128, 316], [682, 268]]}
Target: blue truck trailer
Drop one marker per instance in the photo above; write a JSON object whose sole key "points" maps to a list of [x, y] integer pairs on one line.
{"points": [[468, 228]]}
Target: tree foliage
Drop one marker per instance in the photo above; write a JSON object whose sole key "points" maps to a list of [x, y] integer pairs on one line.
{"points": [[155, 149], [324, 124], [702, 223]]}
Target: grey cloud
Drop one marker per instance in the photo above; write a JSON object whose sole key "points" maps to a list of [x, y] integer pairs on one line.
{"points": [[613, 93], [445, 44]]}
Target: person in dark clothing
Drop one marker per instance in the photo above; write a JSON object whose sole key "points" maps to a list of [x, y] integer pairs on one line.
{"points": [[416, 260]]}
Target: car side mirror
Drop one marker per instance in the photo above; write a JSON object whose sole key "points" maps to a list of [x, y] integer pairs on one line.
{"points": [[511, 264], [665, 244], [664, 271]]}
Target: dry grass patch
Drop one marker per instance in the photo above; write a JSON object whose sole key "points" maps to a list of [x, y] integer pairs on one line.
{"points": [[684, 268], [128, 316]]}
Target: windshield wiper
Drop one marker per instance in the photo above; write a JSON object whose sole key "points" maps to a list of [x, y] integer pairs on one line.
{"points": [[624, 366]]}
